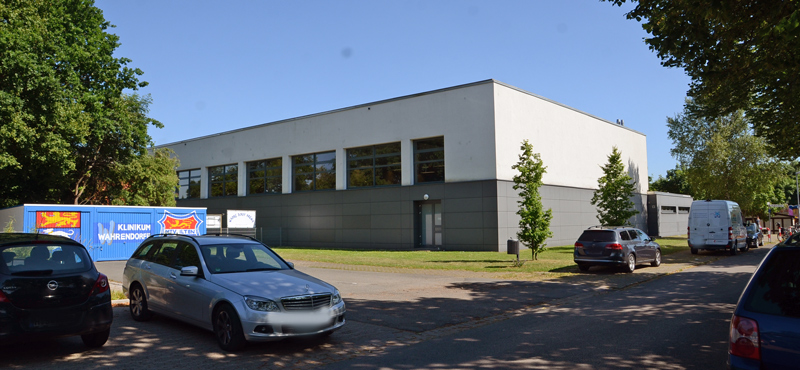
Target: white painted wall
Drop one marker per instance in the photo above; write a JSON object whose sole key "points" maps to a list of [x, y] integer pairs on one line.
{"points": [[483, 125], [572, 144]]}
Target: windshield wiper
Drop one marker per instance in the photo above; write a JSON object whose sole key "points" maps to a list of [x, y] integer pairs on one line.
{"points": [[263, 269]]}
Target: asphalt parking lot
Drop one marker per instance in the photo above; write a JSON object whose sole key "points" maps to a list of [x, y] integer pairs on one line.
{"points": [[385, 308]]}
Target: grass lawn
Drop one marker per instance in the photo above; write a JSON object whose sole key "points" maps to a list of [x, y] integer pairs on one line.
{"points": [[553, 259]]}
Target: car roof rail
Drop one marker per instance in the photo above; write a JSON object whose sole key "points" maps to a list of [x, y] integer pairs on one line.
{"points": [[233, 235], [172, 234]]}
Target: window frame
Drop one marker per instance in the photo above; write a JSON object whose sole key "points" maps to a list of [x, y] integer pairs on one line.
{"points": [[313, 170], [189, 185], [252, 169], [229, 179], [374, 167], [418, 177]]}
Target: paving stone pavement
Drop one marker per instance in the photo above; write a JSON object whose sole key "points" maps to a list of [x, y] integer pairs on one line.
{"points": [[386, 308]]}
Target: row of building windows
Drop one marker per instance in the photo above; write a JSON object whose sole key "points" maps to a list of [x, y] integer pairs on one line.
{"points": [[368, 166]]}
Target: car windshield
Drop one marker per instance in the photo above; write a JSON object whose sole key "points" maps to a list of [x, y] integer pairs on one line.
{"points": [[598, 236], [226, 258], [752, 228], [44, 259], [776, 290]]}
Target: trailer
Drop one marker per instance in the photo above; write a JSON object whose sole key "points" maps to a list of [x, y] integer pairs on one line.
{"points": [[110, 233]]}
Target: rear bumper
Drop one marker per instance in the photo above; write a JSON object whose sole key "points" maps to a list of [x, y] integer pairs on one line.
{"points": [[21, 324], [614, 259]]}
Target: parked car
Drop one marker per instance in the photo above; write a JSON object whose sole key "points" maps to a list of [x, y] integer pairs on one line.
{"points": [[765, 327], [754, 236], [51, 288], [616, 246], [716, 225], [234, 286]]}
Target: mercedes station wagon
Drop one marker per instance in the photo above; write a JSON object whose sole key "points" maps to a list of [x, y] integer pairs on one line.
{"points": [[235, 286], [49, 287]]}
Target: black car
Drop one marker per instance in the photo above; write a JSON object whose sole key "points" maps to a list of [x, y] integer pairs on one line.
{"points": [[616, 246], [49, 287], [765, 326], [754, 236]]}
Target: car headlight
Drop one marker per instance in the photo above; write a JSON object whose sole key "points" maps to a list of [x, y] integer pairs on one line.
{"points": [[336, 298], [261, 304]]}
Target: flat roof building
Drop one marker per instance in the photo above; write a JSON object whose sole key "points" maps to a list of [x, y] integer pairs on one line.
{"points": [[430, 170]]}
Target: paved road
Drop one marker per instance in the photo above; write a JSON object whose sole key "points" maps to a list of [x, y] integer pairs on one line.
{"points": [[461, 320]]}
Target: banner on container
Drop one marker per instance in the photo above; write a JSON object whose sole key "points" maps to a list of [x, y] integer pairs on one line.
{"points": [[66, 224], [187, 224]]}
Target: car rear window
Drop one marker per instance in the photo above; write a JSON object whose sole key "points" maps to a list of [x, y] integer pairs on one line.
{"points": [[776, 290], [752, 228], [44, 259], [598, 236]]}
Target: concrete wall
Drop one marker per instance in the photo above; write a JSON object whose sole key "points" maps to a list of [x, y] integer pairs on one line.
{"points": [[668, 213]]}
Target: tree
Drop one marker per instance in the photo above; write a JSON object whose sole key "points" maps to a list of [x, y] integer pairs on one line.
{"points": [[724, 160], [740, 55], [615, 190], [66, 120], [534, 223], [675, 182], [147, 180]]}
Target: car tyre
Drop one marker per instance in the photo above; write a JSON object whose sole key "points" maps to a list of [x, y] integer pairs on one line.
{"points": [[694, 250], [583, 267], [228, 329], [138, 304], [96, 340], [656, 261], [631, 263]]}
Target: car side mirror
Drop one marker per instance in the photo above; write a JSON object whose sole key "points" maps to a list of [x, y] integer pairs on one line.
{"points": [[652, 238], [189, 271], [291, 265]]}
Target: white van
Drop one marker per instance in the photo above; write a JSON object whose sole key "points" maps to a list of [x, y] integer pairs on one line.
{"points": [[717, 225]]}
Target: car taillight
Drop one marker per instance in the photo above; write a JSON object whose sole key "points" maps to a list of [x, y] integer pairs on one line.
{"points": [[744, 340], [614, 246], [101, 285], [730, 233], [578, 245], [3, 297]]}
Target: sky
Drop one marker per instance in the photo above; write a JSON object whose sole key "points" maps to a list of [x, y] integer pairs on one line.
{"points": [[214, 66]]}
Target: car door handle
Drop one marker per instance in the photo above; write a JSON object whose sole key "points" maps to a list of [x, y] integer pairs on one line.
{"points": [[172, 275]]}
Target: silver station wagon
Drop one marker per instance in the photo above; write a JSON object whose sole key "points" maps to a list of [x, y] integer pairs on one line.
{"points": [[232, 285]]}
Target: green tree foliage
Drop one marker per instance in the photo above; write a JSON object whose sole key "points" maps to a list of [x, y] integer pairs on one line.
{"points": [[740, 55], [613, 197], [147, 180], [724, 160], [675, 182], [534, 223], [66, 122]]}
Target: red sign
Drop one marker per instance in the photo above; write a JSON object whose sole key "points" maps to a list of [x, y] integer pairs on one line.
{"points": [[58, 219], [180, 224]]}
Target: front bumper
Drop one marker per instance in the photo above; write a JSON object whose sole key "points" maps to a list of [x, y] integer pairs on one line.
{"points": [[268, 326]]}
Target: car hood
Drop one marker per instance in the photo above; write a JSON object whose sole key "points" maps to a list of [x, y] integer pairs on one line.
{"points": [[272, 284]]}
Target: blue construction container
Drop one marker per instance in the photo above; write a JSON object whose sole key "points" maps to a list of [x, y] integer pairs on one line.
{"points": [[111, 233]]}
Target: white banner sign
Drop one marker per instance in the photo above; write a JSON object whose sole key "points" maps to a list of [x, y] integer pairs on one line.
{"points": [[241, 219], [213, 221]]}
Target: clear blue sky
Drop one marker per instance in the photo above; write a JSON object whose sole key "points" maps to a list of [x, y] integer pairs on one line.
{"points": [[215, 66]]}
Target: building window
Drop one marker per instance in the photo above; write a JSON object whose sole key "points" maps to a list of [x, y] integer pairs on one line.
{"points": [[683, 210], [314, 171], [376, 165], [429, 160], [189, 184], [265, 177], [668, 209], [223, 180]]}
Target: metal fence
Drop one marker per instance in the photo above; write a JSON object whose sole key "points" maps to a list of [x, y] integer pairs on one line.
{"points": [[268, 236]]}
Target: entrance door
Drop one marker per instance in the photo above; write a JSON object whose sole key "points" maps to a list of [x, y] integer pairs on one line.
{"points": [[429, 224]]}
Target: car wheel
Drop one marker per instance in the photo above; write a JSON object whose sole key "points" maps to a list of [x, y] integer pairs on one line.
{"points": [[631, 265], [656, 261], [138, 304], [734, 249], [694, 250], [96, 340], [228, 329], [583, 267]]}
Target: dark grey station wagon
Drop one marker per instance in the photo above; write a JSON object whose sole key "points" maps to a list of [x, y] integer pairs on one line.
{"points": [[616, 246]]}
